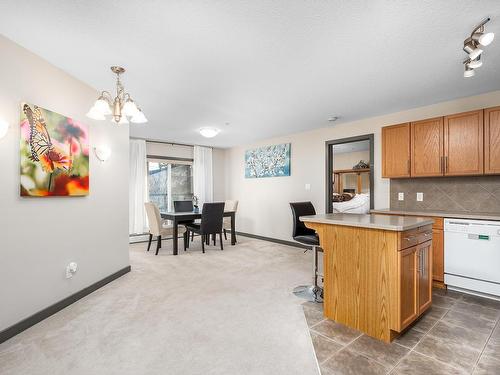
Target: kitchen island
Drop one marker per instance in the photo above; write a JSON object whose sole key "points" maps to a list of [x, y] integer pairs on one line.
{"points": [[377, 270]]}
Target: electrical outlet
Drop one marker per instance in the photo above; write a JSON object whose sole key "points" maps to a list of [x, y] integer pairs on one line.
{"points": [[401, 196], [71, 269], [420, 197], [308, 186]]}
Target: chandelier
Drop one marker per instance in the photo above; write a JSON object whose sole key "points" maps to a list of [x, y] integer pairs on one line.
{"points": [[122, 108]]}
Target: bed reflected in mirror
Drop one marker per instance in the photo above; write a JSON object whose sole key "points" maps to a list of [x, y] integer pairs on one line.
{"points": [[350, 175]]}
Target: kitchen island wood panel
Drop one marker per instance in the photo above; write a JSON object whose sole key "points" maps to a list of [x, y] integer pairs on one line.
{"points": [[369, 283]]}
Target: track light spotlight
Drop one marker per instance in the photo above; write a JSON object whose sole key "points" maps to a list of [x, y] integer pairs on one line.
{"points": [[469, 72], [473, 46], [476, 63], [483, 39]]}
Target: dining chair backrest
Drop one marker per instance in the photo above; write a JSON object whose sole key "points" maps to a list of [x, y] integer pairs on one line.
{"points": [[183, 206], [154, 218], [301, 209], [230, 205], [211, 217]]}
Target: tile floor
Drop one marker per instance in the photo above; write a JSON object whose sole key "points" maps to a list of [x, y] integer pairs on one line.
{"points": [[460, 334]]}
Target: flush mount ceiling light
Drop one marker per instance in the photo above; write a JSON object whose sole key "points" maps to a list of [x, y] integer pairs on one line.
{"points": [[209, 132], [473, 47], [121, 107]]}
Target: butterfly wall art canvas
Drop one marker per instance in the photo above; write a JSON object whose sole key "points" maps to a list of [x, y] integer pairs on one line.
{"points": [[54, 154]]}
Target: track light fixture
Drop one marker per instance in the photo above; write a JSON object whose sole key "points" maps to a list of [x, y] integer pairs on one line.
{"points": [[473, 47]]}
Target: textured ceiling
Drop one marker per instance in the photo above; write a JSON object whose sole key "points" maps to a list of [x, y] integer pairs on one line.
{"points": [[266, 67]]}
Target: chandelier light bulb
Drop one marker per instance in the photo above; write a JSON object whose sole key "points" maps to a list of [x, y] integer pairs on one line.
{"points": [[102, 106], [94, 114], [129, 108], [120, 107], [139, 117]]}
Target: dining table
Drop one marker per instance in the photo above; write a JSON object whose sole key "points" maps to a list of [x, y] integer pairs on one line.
{"points": [[177, 217]]}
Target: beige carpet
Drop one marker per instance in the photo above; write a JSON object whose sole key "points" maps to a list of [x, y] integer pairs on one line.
{"points": [[223, 312]]}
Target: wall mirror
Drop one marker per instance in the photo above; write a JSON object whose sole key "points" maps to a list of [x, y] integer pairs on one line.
{"points": [[349, 175]]}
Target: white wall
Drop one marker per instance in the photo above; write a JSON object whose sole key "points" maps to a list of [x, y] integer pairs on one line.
{"points": [[218, 172], [263, 207], [40, 236]]}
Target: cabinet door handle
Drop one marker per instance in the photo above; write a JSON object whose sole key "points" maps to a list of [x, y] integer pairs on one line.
{"points": [[446, 164], [441, 160], [409, 166]]}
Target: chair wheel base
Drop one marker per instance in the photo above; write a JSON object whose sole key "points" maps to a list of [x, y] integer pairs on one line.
{"points": [[309, 292]]}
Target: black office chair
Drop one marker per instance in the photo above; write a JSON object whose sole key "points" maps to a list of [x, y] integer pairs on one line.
{"points": [[211, 223], [185, 206], [307, 236]]}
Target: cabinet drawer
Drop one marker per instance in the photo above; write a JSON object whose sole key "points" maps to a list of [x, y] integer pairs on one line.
{"points": [[425, 236], [408, 238], [415, 236]]}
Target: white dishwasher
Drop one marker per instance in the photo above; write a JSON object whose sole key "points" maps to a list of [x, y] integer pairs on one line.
{"points": [[472, 255]]}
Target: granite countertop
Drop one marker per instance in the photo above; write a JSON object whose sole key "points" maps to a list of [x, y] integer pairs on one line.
{"points": [[453, 215], [374, 221]]}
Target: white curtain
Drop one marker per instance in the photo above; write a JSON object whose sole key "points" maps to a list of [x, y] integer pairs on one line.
{"points": [[138, 187], [202, 175]]}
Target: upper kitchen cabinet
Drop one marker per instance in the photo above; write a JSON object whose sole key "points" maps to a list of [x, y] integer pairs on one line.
{"points": [[492, 140], [427, 148], [463, 144], [396, 151]]}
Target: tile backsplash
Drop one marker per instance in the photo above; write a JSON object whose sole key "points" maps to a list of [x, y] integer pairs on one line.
{"points": [[453, 194]]}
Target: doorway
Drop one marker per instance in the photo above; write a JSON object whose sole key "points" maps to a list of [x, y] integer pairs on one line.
{"points": [[349, 174]]}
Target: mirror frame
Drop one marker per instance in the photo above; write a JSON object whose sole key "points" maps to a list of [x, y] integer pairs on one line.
{"points": [[329, 167]]}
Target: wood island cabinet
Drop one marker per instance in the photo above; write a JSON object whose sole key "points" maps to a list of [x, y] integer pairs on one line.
{"points": [[375, 280], [424, 271], [408, 260]]}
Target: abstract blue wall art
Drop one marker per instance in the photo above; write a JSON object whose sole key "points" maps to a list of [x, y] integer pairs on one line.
{"points": [[268, 161]]}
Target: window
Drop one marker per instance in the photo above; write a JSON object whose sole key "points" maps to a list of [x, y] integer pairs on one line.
{"points": [[169, 181]]}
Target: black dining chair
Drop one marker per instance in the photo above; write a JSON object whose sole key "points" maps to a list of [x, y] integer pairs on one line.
{"points": [[185, 206], [308, 237], [210, 225]]}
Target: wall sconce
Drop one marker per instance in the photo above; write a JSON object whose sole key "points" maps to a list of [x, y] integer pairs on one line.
{"points": [[102, 153], [4, 127]]}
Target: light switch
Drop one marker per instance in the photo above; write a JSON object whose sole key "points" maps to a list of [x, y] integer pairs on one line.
{"points": [[420, 197], [401, 196], [308, 186]]}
